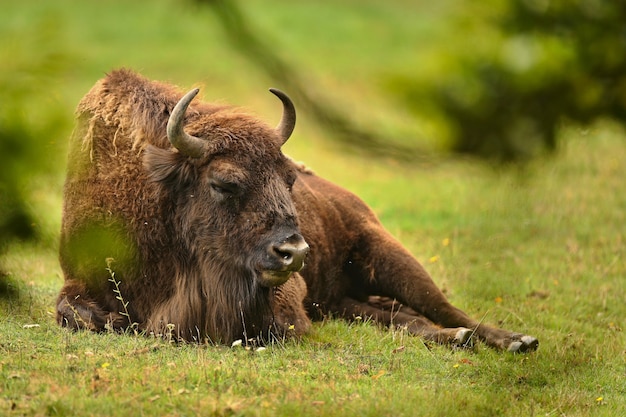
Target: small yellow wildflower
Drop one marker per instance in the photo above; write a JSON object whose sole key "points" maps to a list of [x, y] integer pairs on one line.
{"points": [[498, 300], [105, 365], [433, 259], [446, 242]]}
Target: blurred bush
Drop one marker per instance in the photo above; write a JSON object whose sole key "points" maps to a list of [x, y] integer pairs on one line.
{"points": [[520, 68], [31, 121]]}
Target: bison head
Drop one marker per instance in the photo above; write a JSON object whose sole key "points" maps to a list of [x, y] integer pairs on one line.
{"points": [[227, 187]]}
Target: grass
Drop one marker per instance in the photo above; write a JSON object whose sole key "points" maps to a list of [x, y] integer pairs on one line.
{"points": [[538, 249]]}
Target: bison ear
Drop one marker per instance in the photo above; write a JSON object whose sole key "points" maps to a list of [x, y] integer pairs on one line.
{"points": [[165, 165]]}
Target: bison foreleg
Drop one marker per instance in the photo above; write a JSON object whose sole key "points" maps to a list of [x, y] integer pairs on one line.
{"points": [[387, 312], [290, 318], [77, 311]]}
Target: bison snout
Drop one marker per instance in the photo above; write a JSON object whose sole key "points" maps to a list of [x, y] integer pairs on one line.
{"points": [[291, 253], [283, 258]]}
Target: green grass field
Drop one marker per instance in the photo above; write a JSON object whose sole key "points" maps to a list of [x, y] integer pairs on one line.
{"points": [[539, 249]]}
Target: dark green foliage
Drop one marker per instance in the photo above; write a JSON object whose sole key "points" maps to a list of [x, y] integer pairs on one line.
{"points": [[30, 121], [594, 83], [540, 63], [509, 73]]}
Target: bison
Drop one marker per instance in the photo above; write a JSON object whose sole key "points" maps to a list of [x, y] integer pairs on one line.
{"points": [[187, 220]]}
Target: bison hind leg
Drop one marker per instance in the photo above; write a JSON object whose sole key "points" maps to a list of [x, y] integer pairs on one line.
{"points": [[389, 312], [524, 344]]}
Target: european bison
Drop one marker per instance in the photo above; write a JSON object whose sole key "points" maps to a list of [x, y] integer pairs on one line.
{"points": [[188, 220]]}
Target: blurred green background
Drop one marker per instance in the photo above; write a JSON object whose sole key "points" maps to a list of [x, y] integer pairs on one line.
{"points": [[405, 80], [486, 136]]}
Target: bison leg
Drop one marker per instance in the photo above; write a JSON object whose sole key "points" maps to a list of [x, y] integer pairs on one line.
{"points": [[77, 311], [290, 318], [383, 266], [394, 314]]}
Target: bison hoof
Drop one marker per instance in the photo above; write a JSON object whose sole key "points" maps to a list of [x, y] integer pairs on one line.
{"points": [[525, 344], [463, 337]]}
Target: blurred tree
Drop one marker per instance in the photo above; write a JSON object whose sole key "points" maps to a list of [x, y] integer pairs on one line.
{"points": [[528, 65], [242, 34], [518, 68], [30, 121]]}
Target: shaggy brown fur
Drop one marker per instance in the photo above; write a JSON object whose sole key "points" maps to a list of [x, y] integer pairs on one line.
{"points": [[186, 254]]}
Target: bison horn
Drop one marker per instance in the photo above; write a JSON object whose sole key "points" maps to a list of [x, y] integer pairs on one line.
{"points": [[288, 120], [185, 143]]}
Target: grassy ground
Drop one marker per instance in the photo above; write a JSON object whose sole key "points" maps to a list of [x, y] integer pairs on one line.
{"points": [[539, 250]]}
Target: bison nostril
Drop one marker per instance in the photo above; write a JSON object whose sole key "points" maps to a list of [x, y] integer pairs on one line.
{"points": [[291, 253], [286, 256]]}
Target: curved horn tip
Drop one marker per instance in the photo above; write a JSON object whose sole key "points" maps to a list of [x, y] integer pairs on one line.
{"points": [[191, 94], [183, 103], [288, 121]]}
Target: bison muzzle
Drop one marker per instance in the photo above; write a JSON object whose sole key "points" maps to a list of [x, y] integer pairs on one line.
{"points": [[185, 218]]}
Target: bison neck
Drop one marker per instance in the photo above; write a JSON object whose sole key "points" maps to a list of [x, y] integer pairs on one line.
{"points": [[212, 305]]}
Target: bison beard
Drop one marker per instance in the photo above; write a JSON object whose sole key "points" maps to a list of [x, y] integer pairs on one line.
{"points": [[187, 220]]}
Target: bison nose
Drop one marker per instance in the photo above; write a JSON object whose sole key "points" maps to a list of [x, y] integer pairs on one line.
{"points": [[291, 253]]}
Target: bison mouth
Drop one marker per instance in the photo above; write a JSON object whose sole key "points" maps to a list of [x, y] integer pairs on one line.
{"points": [[273, 278]]}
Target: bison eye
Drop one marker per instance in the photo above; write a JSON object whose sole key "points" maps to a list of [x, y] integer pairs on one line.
{"points": [[224, 188]]}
